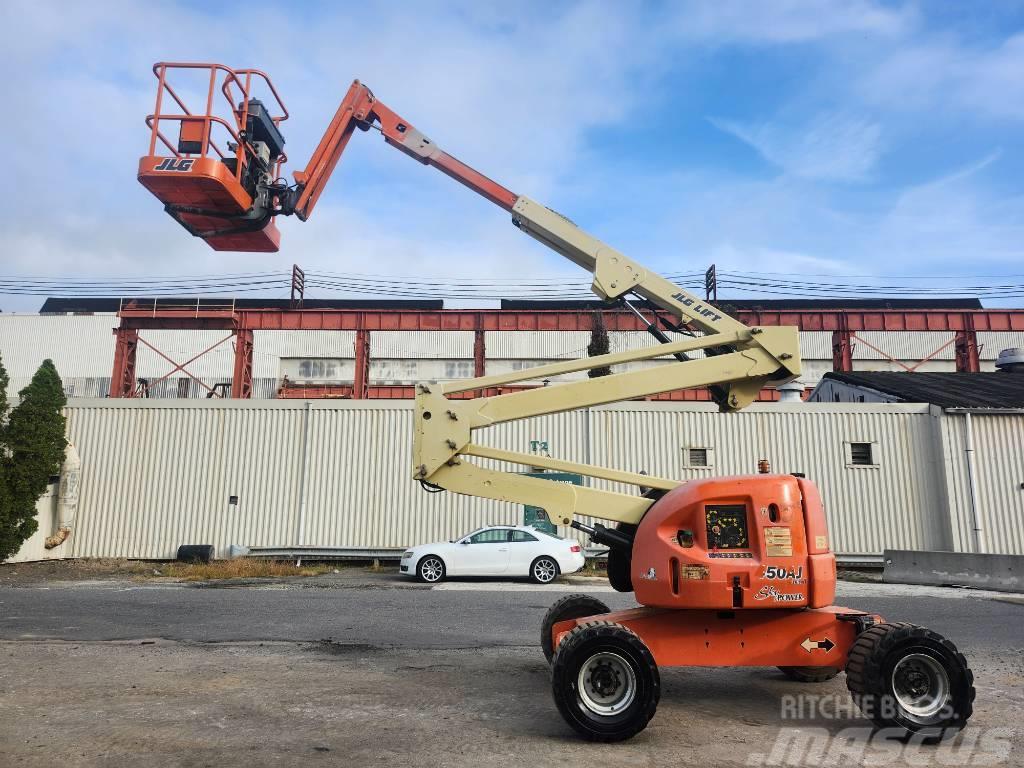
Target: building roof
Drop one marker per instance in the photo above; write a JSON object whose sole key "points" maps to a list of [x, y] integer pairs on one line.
{"points": [[771, 304], [947, 390], [59, 305], [94, 305]]}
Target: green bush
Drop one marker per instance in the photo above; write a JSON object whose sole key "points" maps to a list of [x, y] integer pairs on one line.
{"points": [[31, 451]]}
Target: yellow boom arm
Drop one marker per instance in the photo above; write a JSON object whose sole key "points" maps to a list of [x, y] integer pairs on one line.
{"points": [[738, 361]]}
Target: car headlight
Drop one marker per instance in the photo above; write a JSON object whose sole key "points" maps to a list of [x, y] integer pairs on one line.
{"points": [[407, 555]]}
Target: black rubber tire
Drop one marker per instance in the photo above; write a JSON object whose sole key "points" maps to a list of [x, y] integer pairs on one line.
{"points": [[195, 553], [620, 563], [582, 644], [563, 609], [810, 674], [533, 565], [869, 676], [419, 570]]}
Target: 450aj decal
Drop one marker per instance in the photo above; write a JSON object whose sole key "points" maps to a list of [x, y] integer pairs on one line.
{"points": [[781, 573]]}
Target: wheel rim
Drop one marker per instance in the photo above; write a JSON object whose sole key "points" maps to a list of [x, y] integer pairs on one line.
{"points": [[544, 570], [431, 569], [606, 684], [921, 686]]}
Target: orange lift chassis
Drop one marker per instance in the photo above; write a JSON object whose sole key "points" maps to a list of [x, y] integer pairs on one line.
{"points": [[734, 571]]}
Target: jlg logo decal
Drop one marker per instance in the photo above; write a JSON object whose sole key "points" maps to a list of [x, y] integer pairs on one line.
{"points": [[697, 307], [183, 164]]}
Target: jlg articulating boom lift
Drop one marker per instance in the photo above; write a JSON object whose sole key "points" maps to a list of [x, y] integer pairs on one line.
{"points": [[733, 571]]}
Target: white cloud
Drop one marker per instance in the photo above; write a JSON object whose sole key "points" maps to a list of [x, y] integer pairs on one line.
{"points": [[513, 95], [954, 224], [832, 146], [955, 221], [789, 21], [518, 94], [945, 73]]}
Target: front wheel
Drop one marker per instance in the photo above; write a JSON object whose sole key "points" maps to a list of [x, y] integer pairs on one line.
{"points": [[910, 678], [430, 569], [605, 681], [544, 570]]}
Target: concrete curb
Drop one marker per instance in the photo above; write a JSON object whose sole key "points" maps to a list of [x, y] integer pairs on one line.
{"points": [[1004, 573]]}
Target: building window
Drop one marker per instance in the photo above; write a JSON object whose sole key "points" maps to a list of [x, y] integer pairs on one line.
{"points": [[458, 369], [318, 369], [697, 458], [862, 454]]}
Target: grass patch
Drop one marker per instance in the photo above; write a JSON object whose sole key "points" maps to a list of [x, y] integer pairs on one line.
{"points": [[239, 568]]}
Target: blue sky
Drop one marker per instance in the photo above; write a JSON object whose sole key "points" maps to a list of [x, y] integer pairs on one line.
{"points": [[832, 138]]}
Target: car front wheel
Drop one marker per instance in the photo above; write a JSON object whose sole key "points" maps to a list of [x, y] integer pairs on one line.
{"points": [[430, 569], [544, 570]]}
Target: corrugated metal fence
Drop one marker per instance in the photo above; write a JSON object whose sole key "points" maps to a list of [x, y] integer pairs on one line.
{"points": [[156, 474], [998, 462]]}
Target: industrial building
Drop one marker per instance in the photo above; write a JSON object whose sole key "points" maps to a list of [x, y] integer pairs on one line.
{"points": [[308, 478], [375, 350], [314, 459], [946, 390]]}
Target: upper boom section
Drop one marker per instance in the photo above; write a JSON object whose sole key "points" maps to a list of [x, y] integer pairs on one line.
{"points": [[615, 275], [229, 193], [360, 109], [230, 199]]}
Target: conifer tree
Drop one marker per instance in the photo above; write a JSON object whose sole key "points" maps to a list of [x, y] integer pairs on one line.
{"points": [[598, 345], [31, 452]]}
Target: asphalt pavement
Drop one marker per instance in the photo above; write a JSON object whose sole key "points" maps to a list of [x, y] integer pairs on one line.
{"points": [[390, 612], [370, 670]]}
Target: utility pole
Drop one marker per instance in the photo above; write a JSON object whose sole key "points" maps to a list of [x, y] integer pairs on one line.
{"points": [[298, 287], [711, 284]]}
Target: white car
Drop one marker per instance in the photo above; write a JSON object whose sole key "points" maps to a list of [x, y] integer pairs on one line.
{"points": [[497, 550]]}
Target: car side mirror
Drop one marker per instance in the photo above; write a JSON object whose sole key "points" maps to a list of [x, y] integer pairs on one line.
{"points": [[464, 541]]}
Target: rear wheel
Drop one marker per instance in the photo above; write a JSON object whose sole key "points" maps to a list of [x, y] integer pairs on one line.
{"points": [[605, 682], [544, 570], [568, 607], [810, 674], [430, 569], [908, 677]]}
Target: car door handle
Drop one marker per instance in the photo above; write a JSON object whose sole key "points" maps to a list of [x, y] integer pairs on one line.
{"points": [[503, 549]]}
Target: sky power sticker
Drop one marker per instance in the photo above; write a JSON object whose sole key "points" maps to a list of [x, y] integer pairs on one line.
{"points": [[769, 592]]}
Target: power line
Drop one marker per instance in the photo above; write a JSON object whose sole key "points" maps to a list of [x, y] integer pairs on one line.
{"points": [[554, 288]]}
